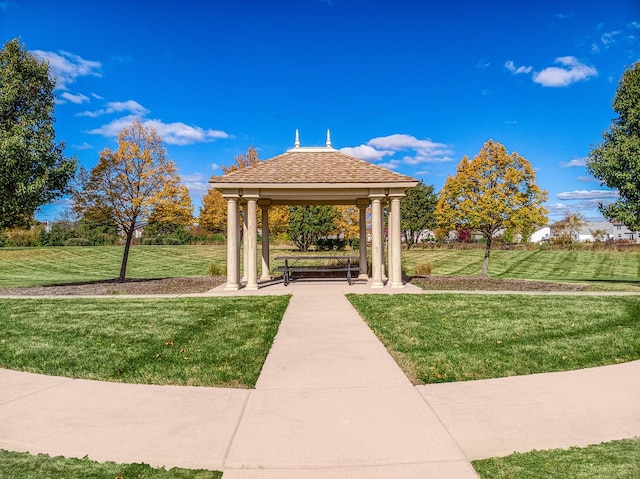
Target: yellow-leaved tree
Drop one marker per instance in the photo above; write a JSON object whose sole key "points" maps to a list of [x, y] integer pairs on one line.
{"points": [[213, 212], [494, 191], [130, 183], [347, 221]]}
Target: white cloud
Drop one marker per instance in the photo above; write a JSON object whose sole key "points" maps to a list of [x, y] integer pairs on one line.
{"points": [[415, 151], [575, 163], [215, 166], [84, 146], [67, 67], [587, 179], [366, 152], [177, 133], [77, 98], [130, 106], [572, 71], [391, 164], [516, 70], [587, 195], [196, 183], [426, 150]]}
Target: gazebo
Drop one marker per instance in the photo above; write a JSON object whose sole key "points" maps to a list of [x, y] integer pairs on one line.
{"points": [[318, 176]]}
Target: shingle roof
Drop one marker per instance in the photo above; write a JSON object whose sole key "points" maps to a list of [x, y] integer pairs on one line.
{"points": [[313, 165]]}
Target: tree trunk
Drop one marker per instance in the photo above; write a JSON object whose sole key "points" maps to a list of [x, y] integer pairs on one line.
{"points": [[125, 256], [487, 252]]}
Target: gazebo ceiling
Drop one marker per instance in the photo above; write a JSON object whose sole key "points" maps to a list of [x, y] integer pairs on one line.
{"points": [[307, 175]]}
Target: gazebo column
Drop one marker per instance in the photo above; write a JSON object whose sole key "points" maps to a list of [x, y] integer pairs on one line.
{"points": [[382, 251], [390, 257], [376, 240], [233, 244], [251, 243], [362, 206], [245, 239], [266, 269], [395, 239]]}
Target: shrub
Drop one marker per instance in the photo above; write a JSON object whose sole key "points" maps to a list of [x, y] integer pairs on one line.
{"points": [[423, 269], [171, 241], [23, 237], [150, 241], [216, 270], [77, 242]]}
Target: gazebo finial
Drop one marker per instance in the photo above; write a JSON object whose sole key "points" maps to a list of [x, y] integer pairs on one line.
{"points": [[297, 143], [328, 138]]}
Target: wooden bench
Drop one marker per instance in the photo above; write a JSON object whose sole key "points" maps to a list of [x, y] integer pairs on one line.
{"points": [[291, 265]]}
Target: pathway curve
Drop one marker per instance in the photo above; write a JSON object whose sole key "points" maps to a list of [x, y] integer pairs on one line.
{"points": [[330, 403]]}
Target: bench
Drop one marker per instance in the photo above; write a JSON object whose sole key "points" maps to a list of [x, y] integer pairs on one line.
{"points": [[291, 265]]}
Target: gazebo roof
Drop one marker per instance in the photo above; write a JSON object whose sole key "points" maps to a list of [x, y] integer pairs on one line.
{"points": [[316, 165], [313, 175]]}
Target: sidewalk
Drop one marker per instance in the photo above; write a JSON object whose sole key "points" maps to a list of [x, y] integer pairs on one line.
{"points": [[330, 403]]}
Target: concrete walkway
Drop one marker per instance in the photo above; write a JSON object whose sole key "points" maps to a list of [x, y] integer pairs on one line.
{"points": [[330, 403]]}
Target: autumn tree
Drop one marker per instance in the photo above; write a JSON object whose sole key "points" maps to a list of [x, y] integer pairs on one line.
{"points": [[33, 169], [616, 161], [494, 191], [241, 162], [347, 221], [213, 212], [567, 230], [130, 184], [416, 212]]}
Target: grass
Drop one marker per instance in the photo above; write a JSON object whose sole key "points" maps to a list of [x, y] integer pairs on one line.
{"points": [[184, 341], [22, 267], [616, 459], [603, 270], [17, 465], [448, 337]]}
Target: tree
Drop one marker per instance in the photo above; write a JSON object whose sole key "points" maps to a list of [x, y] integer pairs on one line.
{"points": [[33, 169], [416, 212], [129, 184], [494, 191], [308, 223], [616, 161], [243, 161], [567, 230], [213, 212], [347, 221]]}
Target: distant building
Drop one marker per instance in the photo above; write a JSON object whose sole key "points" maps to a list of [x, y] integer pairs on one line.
{"points": [[610, 231]]}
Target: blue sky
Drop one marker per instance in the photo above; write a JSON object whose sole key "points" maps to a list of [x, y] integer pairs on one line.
{"points": [[411, 85]]}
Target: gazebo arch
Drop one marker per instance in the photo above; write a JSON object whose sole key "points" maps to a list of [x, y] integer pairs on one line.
{"points": [[306, 176]]}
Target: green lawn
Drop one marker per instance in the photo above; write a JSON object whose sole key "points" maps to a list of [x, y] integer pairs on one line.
{"points": [[616, 459], [43, 266], [184, 341], [612, 269], [16, 465], [449, 337]]}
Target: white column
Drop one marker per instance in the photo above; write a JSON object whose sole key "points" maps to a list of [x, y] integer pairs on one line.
{"points": [[382, 238], [376, 243], [390, 247], [233, 245], [266, 270], [362, 206], [396, 243], [251, 254], [245, 240]]}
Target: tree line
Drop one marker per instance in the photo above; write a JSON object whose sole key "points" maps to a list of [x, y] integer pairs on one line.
{"points": [[135, 186]]}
